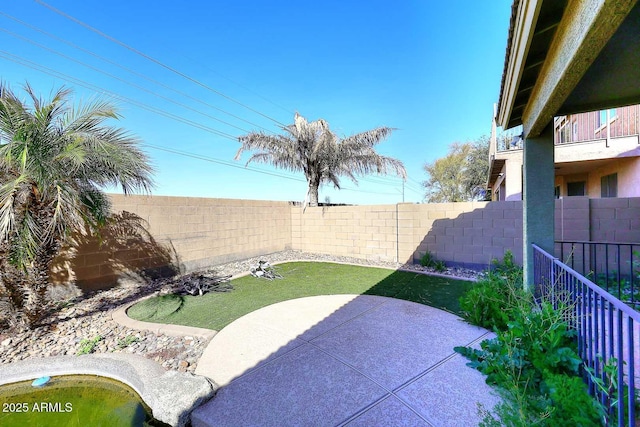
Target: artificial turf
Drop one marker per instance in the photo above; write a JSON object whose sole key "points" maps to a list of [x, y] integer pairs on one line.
{"points": [[300, 279]]}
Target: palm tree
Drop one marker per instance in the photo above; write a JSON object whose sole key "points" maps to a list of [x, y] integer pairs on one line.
{"points": [[311, 147], [54, 160]]}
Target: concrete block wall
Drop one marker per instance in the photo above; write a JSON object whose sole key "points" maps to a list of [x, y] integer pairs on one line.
{"points": [[207, 231], [605, 220], [572, 219], [193, 232], [469, 234], [201, 232], [367, 232], [615, 219]]}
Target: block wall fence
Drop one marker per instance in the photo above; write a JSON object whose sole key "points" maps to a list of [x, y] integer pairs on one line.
{"points": [[200, 232]]}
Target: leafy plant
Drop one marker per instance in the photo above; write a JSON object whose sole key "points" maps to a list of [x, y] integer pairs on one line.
{"points": [[87, 346], [427, 259], [127, 341], [55, 161], [440, 266], [533, 359], [606, 383], [492, 301]]}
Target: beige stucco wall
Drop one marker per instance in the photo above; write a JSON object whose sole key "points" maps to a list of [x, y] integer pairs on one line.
{"points": [[512, 174], [628, 170], [622, 156], [597, 150]]}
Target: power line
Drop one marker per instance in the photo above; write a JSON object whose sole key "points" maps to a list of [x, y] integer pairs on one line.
{"points": [[46, 70], [119, 79], [54, 73], [221, 162], [226, 163], [240, 85], [149, 58], [143, 76], [381, 181]]}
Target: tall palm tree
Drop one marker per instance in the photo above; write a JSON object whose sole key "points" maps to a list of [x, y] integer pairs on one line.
{"points": [[54, 160], [311, 147]]}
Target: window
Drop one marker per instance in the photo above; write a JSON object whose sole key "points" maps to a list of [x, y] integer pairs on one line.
{"points": [[601, 118], [577, 188], [609, 185]]}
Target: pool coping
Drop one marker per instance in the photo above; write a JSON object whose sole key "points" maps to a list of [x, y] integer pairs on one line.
{"points": [[171, 395]]}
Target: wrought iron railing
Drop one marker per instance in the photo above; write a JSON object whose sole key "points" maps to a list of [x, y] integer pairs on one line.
{"points": [[615, 267], [608, 334]]}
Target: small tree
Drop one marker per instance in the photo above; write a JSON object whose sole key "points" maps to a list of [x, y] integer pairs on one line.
{"points": [[54, 160], [461, 175], [311, 147]]}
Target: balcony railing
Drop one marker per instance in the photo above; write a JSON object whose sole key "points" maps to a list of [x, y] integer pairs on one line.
{"points": [[607, 334], [615, 267], [585, 127], [598, 125]]}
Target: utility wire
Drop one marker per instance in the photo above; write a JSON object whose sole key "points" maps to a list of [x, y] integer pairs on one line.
{"points": [[54, 73], [226, 163], [153, 81], [219, 161], [240, 85], [11, 33], [129, 70], [382, 181], [155, 61], [417, 182], [46, 70]]}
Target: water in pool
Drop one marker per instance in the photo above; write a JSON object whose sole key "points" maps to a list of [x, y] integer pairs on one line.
{"points": [[73, 400]]}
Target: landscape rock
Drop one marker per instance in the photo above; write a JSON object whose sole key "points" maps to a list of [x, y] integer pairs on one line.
{"points": [[87, 317]]}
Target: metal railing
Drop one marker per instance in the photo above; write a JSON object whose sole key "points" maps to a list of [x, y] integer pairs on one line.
{"points": [[584, 127], [597, 125], [607, 334], [614, 267]]}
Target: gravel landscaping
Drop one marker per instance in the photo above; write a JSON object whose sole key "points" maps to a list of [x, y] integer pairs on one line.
{"points": [[85, 325]]}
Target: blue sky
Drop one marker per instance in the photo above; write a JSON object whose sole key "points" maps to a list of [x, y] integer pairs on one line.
{"points": [[431, 69]]}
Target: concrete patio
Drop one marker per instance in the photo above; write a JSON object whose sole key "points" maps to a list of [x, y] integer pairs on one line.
{"points": [[337, 360]]}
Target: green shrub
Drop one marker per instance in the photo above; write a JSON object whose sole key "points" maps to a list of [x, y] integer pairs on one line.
{"points": [[535, 364], [88, 345], [439, 266], [427, 260], [533, 359], [571, 402], [158, 307], [492, 301], [127, 341]]}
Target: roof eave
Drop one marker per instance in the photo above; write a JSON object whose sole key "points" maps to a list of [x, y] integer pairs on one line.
{"points": [[521, 31]]}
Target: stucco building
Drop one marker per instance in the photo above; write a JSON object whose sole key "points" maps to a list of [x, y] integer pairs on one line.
{"points": [[597, 154]]}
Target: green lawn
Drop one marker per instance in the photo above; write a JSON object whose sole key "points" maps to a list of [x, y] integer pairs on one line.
{"points": [[301, 279]]}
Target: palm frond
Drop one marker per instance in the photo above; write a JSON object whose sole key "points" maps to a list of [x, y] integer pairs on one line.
{"points": [[366, 139], [323, 157], [25, 242], [8, 192]]}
